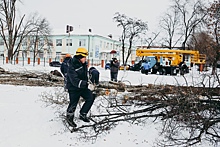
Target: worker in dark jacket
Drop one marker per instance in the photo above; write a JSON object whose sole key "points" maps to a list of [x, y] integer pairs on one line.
{"points": [[114, 67], [77, 85], [64, 67]]}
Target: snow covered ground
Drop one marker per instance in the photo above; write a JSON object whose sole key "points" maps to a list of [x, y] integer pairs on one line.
{"points": [[27, 122]]}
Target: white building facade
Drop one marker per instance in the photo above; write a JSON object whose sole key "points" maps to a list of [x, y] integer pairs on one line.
{"points": [[99, 47]]}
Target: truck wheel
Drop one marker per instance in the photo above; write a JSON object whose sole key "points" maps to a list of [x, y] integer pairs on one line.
{"points": [[154, 71], [173, 71], [162, 71], [142, 71], [156, 67], [181, 72]]}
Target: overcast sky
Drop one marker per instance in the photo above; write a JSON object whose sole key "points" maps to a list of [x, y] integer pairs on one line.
{"points": [[96, 14]]}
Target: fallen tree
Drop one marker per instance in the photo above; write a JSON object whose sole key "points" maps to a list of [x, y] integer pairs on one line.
{"points": [[29, 78], [189, 115]]}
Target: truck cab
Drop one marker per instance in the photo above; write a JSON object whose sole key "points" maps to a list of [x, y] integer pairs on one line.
{"points": [[162, 65]]}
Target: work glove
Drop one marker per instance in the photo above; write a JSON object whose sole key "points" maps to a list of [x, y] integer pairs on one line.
{"points": [[91, 87]]}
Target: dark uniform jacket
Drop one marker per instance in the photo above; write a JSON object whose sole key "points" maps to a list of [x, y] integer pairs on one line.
{"points": [[77, 78]]}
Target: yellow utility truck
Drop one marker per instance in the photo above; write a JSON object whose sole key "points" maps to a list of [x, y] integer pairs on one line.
{"points": [[169, 61]]}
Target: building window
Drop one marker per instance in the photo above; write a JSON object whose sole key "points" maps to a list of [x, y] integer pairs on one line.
{"points": [[91, 54], [82, 42], [58, 55], [58, 42], [50, 43], [24, 43], [41, 42], [1, 42], [41, 55], [104, 45], [69, 42], [32, 41], [100, 44]]}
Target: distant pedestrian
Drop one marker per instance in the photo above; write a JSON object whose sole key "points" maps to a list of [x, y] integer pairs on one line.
{"points": [[114, 67], [145, 67], [183, 69], [64, 68]]}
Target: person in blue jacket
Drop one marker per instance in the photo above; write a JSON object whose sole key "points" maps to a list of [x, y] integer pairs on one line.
{"points": [[145, 67], [77, 85]]}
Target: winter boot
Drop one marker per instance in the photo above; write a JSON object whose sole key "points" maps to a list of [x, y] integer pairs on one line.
{"points": [[84, 118], [70, 121]]}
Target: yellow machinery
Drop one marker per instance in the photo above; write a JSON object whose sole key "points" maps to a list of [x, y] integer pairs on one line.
{"points": [[168, 61]]}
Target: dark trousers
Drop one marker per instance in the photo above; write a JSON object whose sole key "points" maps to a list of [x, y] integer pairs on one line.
{"points": [[74, 99], [65, 82], [114, 76], [144, 71]]}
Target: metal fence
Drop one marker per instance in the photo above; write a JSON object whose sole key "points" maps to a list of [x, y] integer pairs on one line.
{"points": [[43, 61]]}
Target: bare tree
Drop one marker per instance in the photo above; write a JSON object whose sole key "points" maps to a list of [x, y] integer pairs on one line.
{"points": [[213, 21], [39, 37], [170, 23], [150, 40], [191, 14], [12, 32], [132, 28], [203, 42]]}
